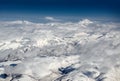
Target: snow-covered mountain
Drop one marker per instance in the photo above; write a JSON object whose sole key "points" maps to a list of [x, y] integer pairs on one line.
{"points": [[71, 51]]}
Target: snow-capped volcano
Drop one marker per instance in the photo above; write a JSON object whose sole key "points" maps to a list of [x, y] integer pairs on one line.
{"points": [[71, 51]]}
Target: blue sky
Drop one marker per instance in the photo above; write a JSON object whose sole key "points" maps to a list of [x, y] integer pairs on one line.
{"points": [[60, 7]]}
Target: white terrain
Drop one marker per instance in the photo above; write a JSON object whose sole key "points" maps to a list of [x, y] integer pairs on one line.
{"points": [[56, 51]]}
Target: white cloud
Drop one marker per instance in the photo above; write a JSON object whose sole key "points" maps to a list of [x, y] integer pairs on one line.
{"points": [[51, 18], [89, 47], [85, 22]]}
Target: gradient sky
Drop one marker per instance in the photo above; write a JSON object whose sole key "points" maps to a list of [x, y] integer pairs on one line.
{"points": [[60, 7]]}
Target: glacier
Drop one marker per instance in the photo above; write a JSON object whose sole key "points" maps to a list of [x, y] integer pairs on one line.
{"points": [[87, 50]]}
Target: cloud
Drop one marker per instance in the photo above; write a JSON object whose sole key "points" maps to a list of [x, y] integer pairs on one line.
{"points": [[85, 22], [51, 18], [91, 48]]}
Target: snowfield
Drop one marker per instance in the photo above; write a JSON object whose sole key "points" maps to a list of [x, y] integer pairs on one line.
{"points": [[70, 51]]}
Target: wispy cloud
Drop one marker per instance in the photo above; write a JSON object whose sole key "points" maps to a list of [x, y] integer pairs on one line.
{"points": [[51, 18]]}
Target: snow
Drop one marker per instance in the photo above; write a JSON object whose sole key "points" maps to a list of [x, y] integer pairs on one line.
{"points": [[70, 51]]}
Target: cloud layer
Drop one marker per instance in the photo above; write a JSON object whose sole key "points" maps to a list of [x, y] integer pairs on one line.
{"points": [[83, 50]]}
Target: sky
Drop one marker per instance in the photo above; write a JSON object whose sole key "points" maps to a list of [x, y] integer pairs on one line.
{"points": [[60, 7]]}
